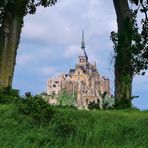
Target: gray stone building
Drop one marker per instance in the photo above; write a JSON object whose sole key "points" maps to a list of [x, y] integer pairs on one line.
{"points": [[84, 79]]}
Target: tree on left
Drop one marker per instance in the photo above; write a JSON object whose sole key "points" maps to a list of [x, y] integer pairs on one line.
{"points": [[12, 14]]}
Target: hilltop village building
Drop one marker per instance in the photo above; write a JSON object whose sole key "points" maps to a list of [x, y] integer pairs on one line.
{"points": [[84, 79]]}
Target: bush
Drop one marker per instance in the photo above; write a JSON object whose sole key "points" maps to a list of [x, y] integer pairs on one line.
{"points": [[66, 99], [108, 102], [94, 105], [123, 103], [37, 108], [9, 95], [64, 126]]}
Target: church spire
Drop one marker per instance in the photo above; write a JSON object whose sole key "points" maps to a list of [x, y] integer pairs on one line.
{"points": [[83, 52], [83, 42]]}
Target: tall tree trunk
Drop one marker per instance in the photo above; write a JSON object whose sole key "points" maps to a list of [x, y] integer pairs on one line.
{"points": [[9, 40], [123, 67]]}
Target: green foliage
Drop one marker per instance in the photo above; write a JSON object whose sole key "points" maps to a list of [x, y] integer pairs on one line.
{"points": [[122, 104], [37, 108], [108, 102], [94, 105], [9, 95], [137, 43], [22, 7], [66, 99]]}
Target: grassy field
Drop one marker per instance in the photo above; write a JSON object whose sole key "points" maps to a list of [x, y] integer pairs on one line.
{"points": [[70, 128]]}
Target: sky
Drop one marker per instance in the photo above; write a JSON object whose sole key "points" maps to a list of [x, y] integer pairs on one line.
{"points": [[51, 40]]}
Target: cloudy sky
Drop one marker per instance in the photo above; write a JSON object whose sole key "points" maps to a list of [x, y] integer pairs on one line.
{"points": [[50, 45]]}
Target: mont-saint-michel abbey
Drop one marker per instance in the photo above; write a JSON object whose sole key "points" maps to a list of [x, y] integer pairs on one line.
{"points": [[84, 80]]}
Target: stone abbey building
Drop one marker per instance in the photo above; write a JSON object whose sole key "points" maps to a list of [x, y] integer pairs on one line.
{"points": [[84, 79]]}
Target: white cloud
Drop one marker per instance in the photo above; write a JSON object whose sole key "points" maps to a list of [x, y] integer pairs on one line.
{"points": [[142, 81], [33, 30], [62, 23], [46, 71], [24, 59], [43, 53], [72, 51]]}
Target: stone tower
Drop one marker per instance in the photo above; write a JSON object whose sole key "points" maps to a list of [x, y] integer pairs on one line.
{"points": [[83, 58]]}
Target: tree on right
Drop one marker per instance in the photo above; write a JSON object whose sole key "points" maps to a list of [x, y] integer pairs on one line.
{"points": [[131, 48]]}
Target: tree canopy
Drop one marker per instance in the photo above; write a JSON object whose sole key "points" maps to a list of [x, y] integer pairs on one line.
{"points": [[22, 7]]}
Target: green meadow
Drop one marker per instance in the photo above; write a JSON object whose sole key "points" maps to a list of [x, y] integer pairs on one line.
{"points": [[71, 128]]}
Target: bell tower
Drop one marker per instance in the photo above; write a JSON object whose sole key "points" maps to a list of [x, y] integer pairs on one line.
{"points": [[83, 58]]}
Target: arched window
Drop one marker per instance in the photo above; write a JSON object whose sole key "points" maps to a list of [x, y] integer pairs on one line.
{"points": [[54, 85], [53, 93]]}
